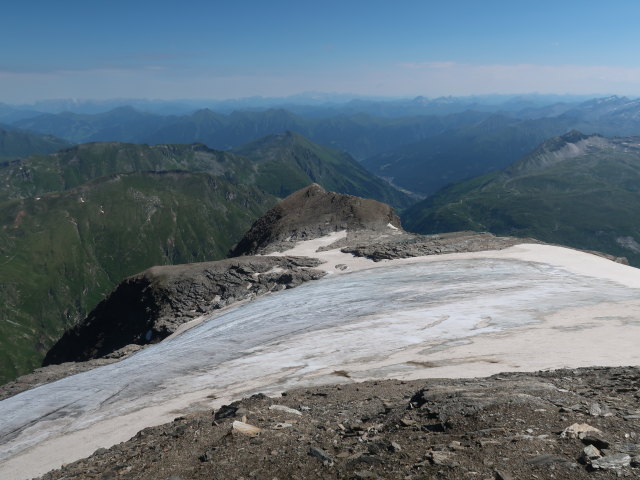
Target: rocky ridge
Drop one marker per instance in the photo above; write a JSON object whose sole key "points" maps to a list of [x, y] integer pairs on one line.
{"points": [[150, 306], [408, 245]]}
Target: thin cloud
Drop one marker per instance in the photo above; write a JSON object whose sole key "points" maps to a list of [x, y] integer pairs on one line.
{"points": [[461, 78], [159, 56], [401, 79]]}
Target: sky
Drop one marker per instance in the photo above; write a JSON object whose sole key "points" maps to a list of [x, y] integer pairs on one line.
{"points": [[99, 49]]}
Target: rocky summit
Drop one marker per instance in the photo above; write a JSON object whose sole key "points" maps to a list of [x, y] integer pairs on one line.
{"points": [[313, 212]]}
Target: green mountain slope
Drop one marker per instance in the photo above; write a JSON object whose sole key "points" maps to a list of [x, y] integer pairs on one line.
{"points": [[70, 168], [287, 162], [576, 190], [18, 143], [279, 164], [62, 252]]}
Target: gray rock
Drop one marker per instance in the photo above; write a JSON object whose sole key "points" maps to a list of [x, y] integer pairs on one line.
{"points": [[612, 462], [440, 458], [590, 452], [502, 475], [366, 474], [628, 448], [596, 440], [595, 410], [546, 459], [321, 454], [285, 409]]}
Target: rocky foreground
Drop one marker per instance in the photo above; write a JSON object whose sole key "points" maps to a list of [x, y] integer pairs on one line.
{"points": [[564, 424]]}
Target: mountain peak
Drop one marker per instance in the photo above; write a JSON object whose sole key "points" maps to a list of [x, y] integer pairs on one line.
{"points": [[312, 212], [555, 150], [574, 136]]}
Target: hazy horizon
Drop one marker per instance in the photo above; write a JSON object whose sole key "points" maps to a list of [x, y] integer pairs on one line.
{"points": [[323, 98]]}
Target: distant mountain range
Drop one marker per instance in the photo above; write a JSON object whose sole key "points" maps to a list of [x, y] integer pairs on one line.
{"points": [[308, 105], [457, 154], [577, 190], [495, 142], [418, 153], [361, 135], [75, 223]]}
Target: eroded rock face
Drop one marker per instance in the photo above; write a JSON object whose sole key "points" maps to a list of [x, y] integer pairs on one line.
{"points": [[311, 213], [148, 307]]}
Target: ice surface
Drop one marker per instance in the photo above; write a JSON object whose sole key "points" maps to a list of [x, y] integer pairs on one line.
{"points": [[296, 336]]}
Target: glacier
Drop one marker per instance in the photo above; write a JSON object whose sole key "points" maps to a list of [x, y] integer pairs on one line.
{"points": [[383, 322]]}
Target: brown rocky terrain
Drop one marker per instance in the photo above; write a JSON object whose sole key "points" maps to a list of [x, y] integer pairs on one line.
{"points": [[310, 213], [564, 424]]}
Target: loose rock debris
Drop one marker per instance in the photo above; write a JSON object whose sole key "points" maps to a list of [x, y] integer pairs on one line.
{"points": [[509, 426]]}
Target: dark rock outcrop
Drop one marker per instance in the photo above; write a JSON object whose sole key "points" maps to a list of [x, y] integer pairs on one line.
{"points": [[148, 307], [411, 245], [311, 213]]}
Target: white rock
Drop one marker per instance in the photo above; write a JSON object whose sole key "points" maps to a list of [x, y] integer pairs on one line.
{"points": [[282, 408], [245, 428], [282, 425], [578, 430]]}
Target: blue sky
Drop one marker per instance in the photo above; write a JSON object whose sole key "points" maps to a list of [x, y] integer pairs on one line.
{"points": [[197, 49]]}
